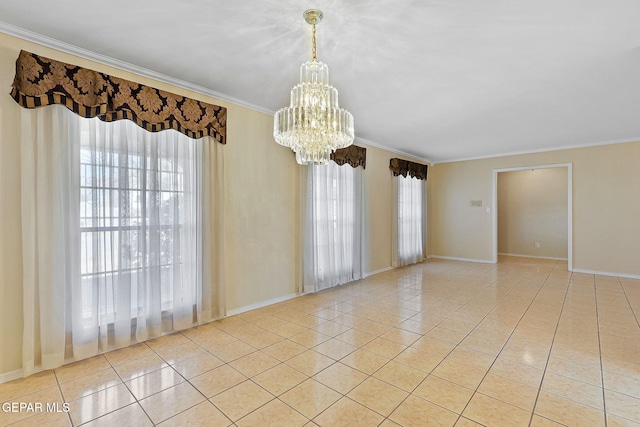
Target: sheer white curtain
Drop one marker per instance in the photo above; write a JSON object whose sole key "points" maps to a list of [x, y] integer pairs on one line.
{"points": [[119, 240], [409, 217], [333, 247]]}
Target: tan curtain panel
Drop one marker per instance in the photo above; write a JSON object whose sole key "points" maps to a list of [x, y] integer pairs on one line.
{"points": [[41, 81], [352, 155], [407, 168]]}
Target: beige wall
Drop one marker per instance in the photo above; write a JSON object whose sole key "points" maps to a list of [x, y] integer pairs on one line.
{"points": [[532, 208], [261, 196], [378, 207], [378, 182], [262, 204], [10, 235], [606, 206]]}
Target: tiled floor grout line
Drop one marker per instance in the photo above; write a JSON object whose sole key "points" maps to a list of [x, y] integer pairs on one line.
{"points": [[544, 371], [602, 370], [466, 335], [469, 333], [368, 375], [137, 401], [604, 400], [507, 339], [377, 336], [280, 363], [309, 377], [230, 366], [111, 366], [172, 367], [63, 398], [250, 379], [459, 342], [185, 380], [434, 368], [334, 362], [624, 292], [264, 404], [380, 335], [445, 290]]}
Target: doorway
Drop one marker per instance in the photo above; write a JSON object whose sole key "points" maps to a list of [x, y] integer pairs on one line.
{"points": [[534, 244]]}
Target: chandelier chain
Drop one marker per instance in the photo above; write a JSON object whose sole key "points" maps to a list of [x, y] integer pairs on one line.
{"points": [[315, 50]]}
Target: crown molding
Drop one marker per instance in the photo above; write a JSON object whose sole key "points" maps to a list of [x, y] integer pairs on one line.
{"points": [[541, 150], [392, 150], [40, 39], [46, 41]]}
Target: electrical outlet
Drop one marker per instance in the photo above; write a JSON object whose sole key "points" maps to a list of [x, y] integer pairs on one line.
{"points": [[536, 245]]}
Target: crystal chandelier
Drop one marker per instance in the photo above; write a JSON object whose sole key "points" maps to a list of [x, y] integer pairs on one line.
{"points": [[313, 125]]}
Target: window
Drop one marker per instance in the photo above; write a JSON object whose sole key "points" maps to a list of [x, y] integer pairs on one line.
{"points": [[136, 200], [333, 237], [335, 208], [120, 193], [121, 224], [410, 220]]}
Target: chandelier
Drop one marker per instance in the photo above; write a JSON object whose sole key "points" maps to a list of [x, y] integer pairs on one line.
{"points": [[313, 125]]}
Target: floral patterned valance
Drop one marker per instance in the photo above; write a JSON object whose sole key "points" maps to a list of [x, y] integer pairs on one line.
{"points": [[42, 81], [407, 168], [352, 155]]}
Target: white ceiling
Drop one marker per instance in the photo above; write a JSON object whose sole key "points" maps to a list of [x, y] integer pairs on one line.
{"points": [[438, 79]]}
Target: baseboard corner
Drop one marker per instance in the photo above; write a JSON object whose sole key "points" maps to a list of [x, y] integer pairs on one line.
{"points": [[260, 304], [449, 258]]}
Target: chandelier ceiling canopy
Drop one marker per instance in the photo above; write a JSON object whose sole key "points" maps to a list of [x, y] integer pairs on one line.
{"points": [[313, 125]]}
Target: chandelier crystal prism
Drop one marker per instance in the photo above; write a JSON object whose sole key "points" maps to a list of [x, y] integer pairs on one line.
{"points": [[313, 125]]}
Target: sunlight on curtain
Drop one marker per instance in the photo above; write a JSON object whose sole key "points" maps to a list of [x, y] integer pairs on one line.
{"points": [[409, 221], [333, 252], [117, 234]]}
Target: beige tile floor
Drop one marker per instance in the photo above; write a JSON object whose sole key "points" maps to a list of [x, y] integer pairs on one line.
{"points": [[523, 342]]}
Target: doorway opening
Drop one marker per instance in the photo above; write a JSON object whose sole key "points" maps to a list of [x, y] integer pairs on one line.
{"points": [[532, 228]]}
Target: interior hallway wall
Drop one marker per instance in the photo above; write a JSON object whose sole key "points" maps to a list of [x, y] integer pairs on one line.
{"points": [[532, 208], [606, 206]]}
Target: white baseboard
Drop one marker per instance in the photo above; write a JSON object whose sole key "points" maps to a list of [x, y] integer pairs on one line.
{"points": [[536, 257], [607, 273], [482, 261], [382, 270], [260, 304], [10, 376], [364, 276]]}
